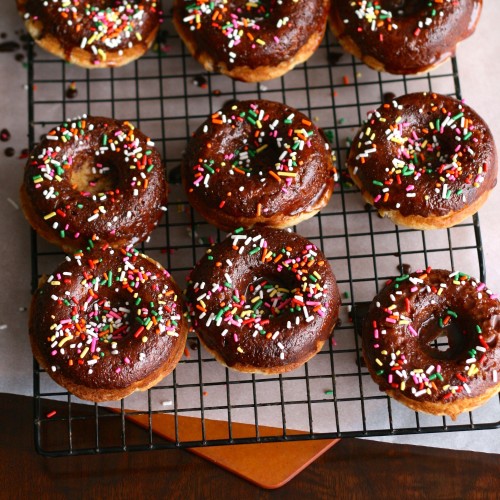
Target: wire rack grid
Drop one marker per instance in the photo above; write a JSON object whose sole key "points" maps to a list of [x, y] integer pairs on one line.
{"points": [[167, 94]]}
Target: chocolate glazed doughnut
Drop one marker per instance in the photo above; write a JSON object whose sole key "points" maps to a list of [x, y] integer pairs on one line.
{"points": [[251, 41], [426, 161], [408, 315], [91, 179], [263, 301], [92, 34], [403, 36], [258, 163], [108, 323]]}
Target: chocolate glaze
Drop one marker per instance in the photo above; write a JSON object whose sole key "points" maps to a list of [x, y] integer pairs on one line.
{"points": [[53, 19], [474, 306], [476, 158], [299, 341], [413, 46], [258, 190], [304, 19], [129, 211], [118, 366]]}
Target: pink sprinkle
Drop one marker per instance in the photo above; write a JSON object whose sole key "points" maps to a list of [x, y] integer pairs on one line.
{"points": [[54, 352], [412, 331], [389, 378], [438, 368], [377, 198], [118, 370], [414, 289], [235, 336], [127, 360], [481, 287], [375, 333], [390, 320], [92, 346]]}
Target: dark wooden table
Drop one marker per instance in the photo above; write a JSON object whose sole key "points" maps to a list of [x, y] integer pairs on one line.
{"points": [[352, 469]]}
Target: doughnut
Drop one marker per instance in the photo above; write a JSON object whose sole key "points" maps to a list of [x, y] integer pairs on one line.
{"points": [[408, 315], [257, 163], [108, 323], [92, 33], [94, 178], [426, 161], [403, 36], [251, 41], [263, 301]]}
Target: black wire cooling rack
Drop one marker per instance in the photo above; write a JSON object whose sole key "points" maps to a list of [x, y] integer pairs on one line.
{"points": [[167, 94]]}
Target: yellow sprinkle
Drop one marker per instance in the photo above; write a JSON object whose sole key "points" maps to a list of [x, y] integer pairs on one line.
{"points": [[239, 349], [55, 283], [403, 385], [384, 352], [260, 42], [255, 299], [85, 351], [144, 339], [287, 174], [317, 275], [139, 36], [264, 146], [379, 362], [63, 341], [49, 216]]}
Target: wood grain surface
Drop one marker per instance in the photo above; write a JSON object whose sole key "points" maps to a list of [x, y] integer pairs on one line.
{"points": [[352, 469]]}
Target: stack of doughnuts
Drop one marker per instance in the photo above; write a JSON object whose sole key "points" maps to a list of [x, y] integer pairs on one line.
{"points": [[110, 320]]}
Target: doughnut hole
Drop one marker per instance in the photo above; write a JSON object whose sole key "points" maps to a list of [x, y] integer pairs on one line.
{"points": [[111, 316], [91, 174], [444, 337]]}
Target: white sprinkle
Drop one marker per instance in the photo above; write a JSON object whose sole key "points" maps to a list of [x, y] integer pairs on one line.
{"points": [[13, 203], [166, 403]]}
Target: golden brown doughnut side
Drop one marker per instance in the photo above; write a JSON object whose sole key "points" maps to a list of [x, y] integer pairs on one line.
{"points": [[263, 300], [92, 34], [404, 320], [97, 341], [424, 160], [403, 37], [275, 40]]}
